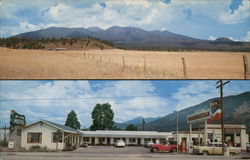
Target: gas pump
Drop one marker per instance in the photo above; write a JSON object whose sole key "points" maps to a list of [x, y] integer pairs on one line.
{"points": [[190, 146], [183, 146]]}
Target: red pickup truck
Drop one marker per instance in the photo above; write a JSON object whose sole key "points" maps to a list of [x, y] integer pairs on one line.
{"points": [[168, 146]]}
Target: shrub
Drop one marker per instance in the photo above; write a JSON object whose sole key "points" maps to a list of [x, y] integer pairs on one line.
{"points": [[4, 143]]}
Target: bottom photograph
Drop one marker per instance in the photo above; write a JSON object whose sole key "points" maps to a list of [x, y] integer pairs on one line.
{"points": [[124, 119]]}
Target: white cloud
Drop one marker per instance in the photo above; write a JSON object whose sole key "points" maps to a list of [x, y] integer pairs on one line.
{"points": [[56, 110], [199, 91], [247, 38], [212, 38], [152, 14], [236, 16], [25, 27], [233, 39], [141, 106]]}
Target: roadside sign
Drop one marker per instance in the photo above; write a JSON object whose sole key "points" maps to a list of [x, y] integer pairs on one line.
{"points": [[199, 116], [17, 119], [11, 145]]}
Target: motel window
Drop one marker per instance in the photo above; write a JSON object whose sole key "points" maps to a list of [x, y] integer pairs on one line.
{"points": [[34, 138], [132, 140], [101, 140], [57, 137]]}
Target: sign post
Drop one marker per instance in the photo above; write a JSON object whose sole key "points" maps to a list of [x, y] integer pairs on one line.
{"points": [[17, 122]]}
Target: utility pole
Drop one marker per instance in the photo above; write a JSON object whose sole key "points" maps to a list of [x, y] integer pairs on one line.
{"points": [[177, 131], [143, 123], [221, 84]]}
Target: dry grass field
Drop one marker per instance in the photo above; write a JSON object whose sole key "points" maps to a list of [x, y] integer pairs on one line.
{"points": [[120, 64]]}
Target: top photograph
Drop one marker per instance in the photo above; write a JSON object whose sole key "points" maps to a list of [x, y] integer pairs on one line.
{"points": [[124, 39]]}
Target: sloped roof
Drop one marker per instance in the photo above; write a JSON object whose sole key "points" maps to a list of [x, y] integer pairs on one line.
{"points": [[56, 125], [129, 134], [62, 127]]}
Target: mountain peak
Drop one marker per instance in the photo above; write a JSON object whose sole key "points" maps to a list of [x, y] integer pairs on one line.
{"points": [[223, 39], [95, 29]]}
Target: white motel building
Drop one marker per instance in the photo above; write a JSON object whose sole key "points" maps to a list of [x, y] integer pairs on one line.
{"points": [[57, 136]]}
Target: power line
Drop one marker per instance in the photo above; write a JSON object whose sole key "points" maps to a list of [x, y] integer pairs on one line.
{"points": [[82, 98]]}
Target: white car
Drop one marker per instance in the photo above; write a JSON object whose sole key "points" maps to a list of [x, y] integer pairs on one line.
{"points": [[120, 143], [148, 143]]}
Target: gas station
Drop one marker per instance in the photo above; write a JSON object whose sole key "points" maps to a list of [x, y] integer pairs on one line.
{"points": [[209, 132]]}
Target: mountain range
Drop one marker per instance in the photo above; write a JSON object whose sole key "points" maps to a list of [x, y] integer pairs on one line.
{"points": [[137, 38], [236, 111], [136, 121]]}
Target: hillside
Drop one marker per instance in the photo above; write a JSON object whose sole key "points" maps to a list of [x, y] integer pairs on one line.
{"points": [[53, 43], [136, 121], [137, 38], [236, 111]]}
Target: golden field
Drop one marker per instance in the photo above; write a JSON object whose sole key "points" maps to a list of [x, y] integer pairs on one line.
{"points": [[119, 64]]}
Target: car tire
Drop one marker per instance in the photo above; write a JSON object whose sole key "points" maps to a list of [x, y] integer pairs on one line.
{"points": [[174, 150], [205, 153], [231, 153], [155, 150]]}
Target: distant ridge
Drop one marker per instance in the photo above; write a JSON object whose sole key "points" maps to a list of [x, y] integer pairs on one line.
{"points": [[137, 38], [222, 39], [236, 107], [136, 121]]}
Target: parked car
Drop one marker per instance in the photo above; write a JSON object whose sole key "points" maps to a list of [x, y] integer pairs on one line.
{"points": [[169, 146], [148, 143], [215, 150], [120, 143], [248, 147], [84, 145]]}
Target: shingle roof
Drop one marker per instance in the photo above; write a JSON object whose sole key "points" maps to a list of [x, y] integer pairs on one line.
{"points": [[57, 125], [60, 126], [129, 134]]}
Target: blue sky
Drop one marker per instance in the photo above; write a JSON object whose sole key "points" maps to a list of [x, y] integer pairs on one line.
{"points": [[204, 19], [53, 100]]}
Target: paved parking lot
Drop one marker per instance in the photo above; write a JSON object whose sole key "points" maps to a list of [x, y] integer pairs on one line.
{"points": [[106, 153]]}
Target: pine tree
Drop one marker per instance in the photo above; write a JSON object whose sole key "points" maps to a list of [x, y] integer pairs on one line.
{"points": [[72, 120]]}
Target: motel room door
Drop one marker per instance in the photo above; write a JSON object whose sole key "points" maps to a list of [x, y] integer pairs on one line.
{"points": [[93, 140], [139, 141], [108, 141]]}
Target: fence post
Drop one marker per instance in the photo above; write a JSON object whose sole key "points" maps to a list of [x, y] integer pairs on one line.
{"points": [[123, 62], [184, 67], [84, 55], [100, 58], [109, 60], [145, 64], [245, 64]]}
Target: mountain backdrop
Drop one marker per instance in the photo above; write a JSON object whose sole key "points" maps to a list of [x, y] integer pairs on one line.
{"points": [[136, 121], [136, 38], [236, 111]]}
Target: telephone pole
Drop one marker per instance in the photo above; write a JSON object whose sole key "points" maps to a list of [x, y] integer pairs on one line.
{"points": [[143, 123], [177, 131], [221, 84]]}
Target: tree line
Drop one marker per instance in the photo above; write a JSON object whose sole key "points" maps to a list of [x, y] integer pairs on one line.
{"points": [[102, 119], [40, 43]]}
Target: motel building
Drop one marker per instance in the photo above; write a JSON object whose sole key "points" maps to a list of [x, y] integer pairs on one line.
{"points": [[131, 138], [57, 136], [48, 134]]}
